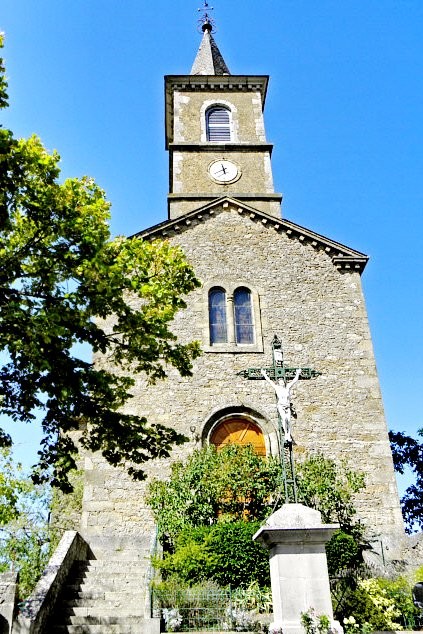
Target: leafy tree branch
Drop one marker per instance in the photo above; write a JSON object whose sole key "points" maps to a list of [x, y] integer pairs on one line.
{"points": [[62, 278], [408, 452]]}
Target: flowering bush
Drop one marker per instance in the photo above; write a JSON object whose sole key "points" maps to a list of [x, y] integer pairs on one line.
{"points": [[372, 608], [352, 627], [172, 619], [238, 620], [314, 623], [382, 602]]}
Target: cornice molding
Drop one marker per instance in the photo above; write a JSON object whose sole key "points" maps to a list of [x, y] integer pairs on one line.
{"points": [[220, 147]]}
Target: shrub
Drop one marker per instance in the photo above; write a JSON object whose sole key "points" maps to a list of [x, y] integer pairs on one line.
{"points": [[190, 563], [370, 605], [239, 560], [223, 552], [253, 597], [399, 590], [343, 553]]}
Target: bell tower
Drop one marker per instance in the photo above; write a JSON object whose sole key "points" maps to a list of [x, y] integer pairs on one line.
{"points": [[215, 135]]}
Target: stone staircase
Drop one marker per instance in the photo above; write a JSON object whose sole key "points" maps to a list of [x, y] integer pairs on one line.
{"points": [[107, 595]]}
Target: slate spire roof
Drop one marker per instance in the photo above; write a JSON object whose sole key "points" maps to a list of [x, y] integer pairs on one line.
{"points": [[209, 60]]}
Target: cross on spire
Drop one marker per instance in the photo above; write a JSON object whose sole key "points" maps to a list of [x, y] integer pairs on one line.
{"points": [[209, 60], [206, 22]]}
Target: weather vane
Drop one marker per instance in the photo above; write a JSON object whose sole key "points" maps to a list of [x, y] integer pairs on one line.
{"points": [[206, 21]]}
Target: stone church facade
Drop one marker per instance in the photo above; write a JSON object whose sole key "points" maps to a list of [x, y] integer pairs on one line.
{"points": [[262, 275]]}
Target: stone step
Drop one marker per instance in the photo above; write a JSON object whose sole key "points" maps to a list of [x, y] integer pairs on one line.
{"points": [[106, 572], [106, 585], [99, 594], [125, 555], [99, 614], [123, 628], [97, 573], [104, 596], [111, 581], [104, 619], [107, 600], [115, 564]]}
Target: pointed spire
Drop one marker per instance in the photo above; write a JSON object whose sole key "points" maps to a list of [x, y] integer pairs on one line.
{"points": [[209, 60]]}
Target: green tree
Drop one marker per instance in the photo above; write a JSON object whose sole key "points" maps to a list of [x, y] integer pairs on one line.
{"points": [[12, 486], [408, 451], [24, 530], [231, 484], [61, 276], [206, 514], [329, 487]]}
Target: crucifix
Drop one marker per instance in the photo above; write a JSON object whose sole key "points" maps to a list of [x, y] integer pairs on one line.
{"points": [[282, 379]]}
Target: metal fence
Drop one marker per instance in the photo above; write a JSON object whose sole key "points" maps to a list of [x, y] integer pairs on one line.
{"points": [[193, 609]]}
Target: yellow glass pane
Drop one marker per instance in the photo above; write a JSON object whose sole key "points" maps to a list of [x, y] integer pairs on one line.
{"points": [[239, 431]]}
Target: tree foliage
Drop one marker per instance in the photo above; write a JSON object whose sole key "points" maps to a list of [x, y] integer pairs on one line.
{"points": [[231, 484], [61, 276], [12, 486], [329, 487], [212, 504], [408, 451], [24, 530]]}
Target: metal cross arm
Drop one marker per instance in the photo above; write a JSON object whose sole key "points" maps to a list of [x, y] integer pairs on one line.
{"points": [[278, 372]]}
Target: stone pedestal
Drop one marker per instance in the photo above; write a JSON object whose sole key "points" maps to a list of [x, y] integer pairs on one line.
{"points": [[296, 540]]}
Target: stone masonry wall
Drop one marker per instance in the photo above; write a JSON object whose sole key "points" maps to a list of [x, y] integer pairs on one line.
{"points": [[189, 165], [320, 315], [246, 109]]}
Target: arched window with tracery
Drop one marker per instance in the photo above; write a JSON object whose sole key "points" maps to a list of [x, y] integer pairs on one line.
{"points": [[217, 316], [218, 124], [243, 316]]}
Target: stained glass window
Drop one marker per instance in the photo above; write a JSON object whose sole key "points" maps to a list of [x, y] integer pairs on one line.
{"points": [[244, 327], [217, 316]]}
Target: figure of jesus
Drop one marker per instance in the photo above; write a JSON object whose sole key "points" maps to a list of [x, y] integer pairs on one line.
{"points": [[283, 393]]}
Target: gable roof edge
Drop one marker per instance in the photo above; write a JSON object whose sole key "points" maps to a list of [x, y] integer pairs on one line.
{"points": [[343, 257]]}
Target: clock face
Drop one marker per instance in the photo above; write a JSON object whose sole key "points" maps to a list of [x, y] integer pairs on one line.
{"points": [[224, 171]]}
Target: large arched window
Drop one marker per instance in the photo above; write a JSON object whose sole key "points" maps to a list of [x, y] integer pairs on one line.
{"points": [[218, 124], [243, 316], [217, 316]]}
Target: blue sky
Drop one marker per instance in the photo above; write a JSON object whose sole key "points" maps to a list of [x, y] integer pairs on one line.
{"points": [[344, 110]]}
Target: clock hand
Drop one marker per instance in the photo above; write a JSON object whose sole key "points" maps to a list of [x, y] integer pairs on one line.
{"points": [[222, 171]]}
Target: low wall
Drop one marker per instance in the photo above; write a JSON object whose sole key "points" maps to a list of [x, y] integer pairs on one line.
{"points": [[40, 605], [8, 583]]}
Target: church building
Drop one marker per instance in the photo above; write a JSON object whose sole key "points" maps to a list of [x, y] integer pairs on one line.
{"points": [[262, 275]]}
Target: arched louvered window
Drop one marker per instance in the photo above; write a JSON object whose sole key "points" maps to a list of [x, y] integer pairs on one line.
{"points": [[243, 316], [217, 316], [218, 124]]}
